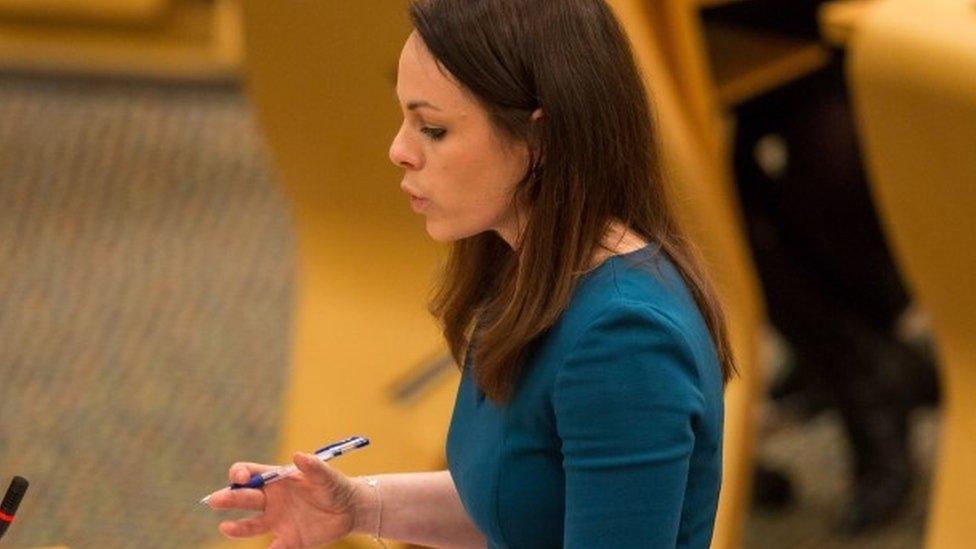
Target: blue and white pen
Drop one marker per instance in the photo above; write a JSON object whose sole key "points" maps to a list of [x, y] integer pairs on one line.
{"points": [[324, 453]]}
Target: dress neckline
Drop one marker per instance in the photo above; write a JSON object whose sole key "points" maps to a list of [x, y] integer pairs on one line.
{"points": [[646, 248]]}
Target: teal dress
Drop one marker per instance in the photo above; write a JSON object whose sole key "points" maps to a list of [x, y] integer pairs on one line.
{"points": [[614, 435]]}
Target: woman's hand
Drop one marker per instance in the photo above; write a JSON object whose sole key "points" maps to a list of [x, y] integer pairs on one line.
{"points": [[316, 505]]}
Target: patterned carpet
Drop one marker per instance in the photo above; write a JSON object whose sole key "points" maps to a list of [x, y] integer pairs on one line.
{"points": [[145, 277], [146, 266]]}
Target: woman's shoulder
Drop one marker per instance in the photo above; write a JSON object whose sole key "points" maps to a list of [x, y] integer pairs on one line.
{"points": [[637, 304], [643, 282], [634, 321]]}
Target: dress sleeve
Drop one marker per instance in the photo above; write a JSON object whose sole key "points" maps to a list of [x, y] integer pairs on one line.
{"points": [[626, 400]]}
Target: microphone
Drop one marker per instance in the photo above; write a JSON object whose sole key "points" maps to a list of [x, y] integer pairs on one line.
{"points": [[18, 486]]}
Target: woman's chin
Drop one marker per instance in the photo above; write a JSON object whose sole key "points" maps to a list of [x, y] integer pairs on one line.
{"points": [[440, 233]]}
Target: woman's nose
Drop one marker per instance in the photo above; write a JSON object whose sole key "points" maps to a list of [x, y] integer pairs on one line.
{"points": [[401, 153]]}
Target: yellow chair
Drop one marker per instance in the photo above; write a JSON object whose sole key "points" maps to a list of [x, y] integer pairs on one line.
{"points": [[913, 74], [160, 39], [88, 11], [703, 195]]}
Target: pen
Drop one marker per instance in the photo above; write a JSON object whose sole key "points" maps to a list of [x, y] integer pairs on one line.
{"points": [[324, 453]]}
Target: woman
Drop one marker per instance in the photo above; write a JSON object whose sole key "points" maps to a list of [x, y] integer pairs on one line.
{"points": [[594, 353]]}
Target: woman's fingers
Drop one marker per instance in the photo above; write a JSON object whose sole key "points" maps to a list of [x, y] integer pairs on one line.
{"points": [[242, 471], [314, 469], [244, 528], [245, 498]]}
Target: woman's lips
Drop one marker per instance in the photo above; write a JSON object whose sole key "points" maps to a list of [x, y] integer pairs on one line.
{"points": [[418, 204]]}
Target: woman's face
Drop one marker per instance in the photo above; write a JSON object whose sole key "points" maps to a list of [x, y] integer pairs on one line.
{"points": [[459, 171]]}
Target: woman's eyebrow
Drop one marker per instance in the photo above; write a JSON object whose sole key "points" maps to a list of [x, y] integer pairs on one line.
{"points": [[414, 105]]}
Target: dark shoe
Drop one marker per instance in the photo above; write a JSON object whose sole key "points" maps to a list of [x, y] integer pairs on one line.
{"points": [[771, 489], [879, 435], [874, 505]]}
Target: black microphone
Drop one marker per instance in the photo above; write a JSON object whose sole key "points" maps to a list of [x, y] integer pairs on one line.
{"points": [[18, 486]]}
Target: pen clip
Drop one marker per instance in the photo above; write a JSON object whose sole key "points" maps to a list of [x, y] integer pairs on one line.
{"points": [[335, 444], [359, 443]]}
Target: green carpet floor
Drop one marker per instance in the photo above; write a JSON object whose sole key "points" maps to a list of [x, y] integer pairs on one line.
{"points": [[146, 263]]}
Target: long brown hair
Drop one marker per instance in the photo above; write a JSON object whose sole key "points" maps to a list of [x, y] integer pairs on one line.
{"points": [[593, 161]]}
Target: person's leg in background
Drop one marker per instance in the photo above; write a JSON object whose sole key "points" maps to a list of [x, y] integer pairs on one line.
{"points": [[831, 287]]}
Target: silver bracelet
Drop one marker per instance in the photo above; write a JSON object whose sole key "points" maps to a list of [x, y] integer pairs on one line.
{"points": [[375, 484]]}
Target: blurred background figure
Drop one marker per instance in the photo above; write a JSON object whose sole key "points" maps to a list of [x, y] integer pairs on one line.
{"points": [[149, 270], [767, 81], [831, 287]]}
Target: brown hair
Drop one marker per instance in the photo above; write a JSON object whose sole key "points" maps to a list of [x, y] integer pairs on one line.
{"points": [[593, 161]]}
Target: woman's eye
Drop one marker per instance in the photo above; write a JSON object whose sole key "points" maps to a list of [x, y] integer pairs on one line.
{"points": [[435, 134]]}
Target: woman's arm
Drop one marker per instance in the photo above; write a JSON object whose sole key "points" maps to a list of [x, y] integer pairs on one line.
{"points": [[626, 401], [321, 505], [418, 508]]}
